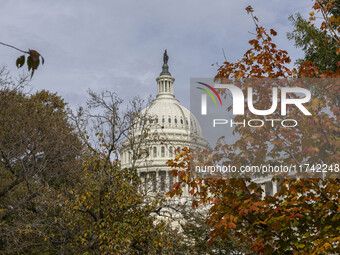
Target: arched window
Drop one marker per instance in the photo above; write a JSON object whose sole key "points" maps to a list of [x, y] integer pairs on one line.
{"points": [[156, 120], [171, 152], [169, 120], [154, 182], [181, 121], [163, 152], [155, 152], [163, 120], [175, 120]]}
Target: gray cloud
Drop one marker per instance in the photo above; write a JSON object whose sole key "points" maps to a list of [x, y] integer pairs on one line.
{"points": [[118, 44]]}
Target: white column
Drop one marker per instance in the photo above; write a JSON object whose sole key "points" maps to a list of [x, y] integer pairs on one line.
{"points": [[158, 180], [142, 183], [263, 187], [149, 182], [274, 187], [186, 189]]}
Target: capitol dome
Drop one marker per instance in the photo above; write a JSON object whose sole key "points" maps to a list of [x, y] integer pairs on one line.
{"points": [[164, 126], [170, 114]]}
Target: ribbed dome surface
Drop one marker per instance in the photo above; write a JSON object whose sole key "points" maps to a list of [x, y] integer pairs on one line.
{"points": [[169, 114]]}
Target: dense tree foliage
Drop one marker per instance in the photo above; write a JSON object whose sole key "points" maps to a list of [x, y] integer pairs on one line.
{"points": [[38, 154], [303, 216], [320, 47], [108, 212]]}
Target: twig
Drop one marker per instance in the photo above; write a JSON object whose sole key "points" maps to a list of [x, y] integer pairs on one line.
{"points": [[26, 52], [225, 58]]}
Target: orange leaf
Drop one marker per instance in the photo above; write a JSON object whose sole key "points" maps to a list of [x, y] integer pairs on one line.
{"points": [[231, 225]]}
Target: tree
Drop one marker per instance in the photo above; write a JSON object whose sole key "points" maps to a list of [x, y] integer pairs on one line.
{"points": [[330, 11], [38, 155], [320, 48], [107, 212], [302, 217], [196, 233]]}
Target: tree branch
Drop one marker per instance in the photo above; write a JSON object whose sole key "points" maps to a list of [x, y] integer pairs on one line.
{"points": [[7, 45]]}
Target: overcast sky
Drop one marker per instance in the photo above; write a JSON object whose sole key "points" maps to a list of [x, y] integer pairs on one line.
{"points": [[118, 44]]}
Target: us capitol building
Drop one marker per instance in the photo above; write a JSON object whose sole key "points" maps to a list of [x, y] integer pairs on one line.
{"points": [[162, 127]]}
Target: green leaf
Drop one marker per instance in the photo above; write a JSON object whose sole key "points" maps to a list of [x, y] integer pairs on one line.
{"points": [[20, 61], [29, 63], [36, 64]]}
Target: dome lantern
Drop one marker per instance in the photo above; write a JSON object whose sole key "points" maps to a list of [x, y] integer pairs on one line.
{"points": [[165, 81]]}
